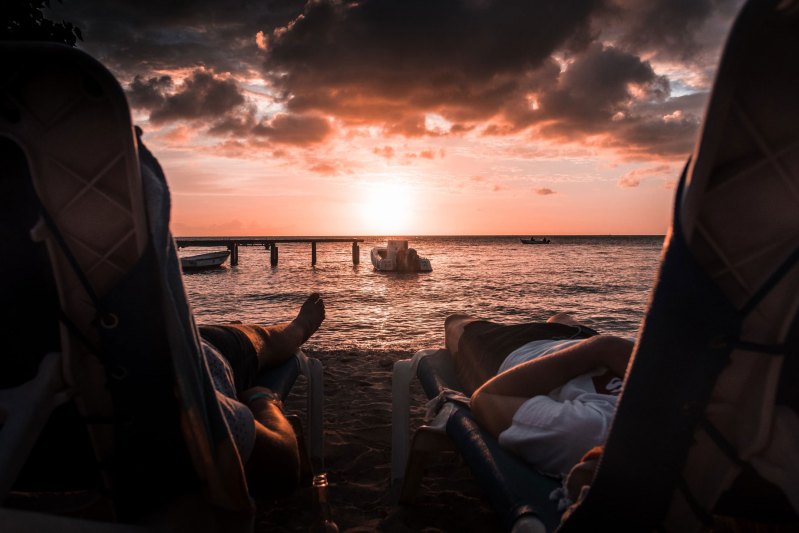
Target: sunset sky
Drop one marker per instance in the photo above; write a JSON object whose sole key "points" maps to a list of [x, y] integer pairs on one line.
{"points": [[413, 117]]}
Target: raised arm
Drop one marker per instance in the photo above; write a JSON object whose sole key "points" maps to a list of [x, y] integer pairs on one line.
{"points": [[495, 403]]}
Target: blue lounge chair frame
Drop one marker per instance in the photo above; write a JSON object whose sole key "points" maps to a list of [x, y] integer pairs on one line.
{"points": [[518, 493]]}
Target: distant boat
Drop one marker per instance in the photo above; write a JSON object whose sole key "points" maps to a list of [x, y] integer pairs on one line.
{"points": [[203, 261], [533, 240], [397, 257]]}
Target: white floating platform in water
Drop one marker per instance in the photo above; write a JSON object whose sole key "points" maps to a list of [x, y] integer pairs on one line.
{"points": [[397, 257]]}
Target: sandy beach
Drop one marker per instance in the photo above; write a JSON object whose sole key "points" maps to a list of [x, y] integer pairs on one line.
{"points": [[358, 459]]}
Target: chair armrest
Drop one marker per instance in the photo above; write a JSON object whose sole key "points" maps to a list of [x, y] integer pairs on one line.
{"points": [[25, 410], [401, 376], [312, 369]]}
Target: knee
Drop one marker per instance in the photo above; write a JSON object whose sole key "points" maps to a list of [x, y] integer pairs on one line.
{"points": [[284, 476], [456, 317], [453, 330], [273, 468], [563, 318], [611, 343]]}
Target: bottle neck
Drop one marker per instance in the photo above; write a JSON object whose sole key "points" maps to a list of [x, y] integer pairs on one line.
{"points": [[321, 496]]}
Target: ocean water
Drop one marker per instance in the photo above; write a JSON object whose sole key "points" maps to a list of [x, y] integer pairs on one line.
{"points": [[604, 281]]}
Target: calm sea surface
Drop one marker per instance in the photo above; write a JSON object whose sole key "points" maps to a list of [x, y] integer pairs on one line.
{"points": [[604, 281]]}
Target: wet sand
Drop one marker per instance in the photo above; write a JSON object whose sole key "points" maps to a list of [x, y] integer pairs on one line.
{"points": [[358, 459]]}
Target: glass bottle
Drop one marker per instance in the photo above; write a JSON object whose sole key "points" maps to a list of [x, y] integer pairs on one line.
{"points": [[323, 519]]}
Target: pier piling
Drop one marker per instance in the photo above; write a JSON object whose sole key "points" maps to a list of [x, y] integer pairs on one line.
{"points": [[356, 253], [233, 247], [273, 255], [313, 253]]}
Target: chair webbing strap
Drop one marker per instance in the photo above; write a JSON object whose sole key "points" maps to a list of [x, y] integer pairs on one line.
{"points": [[721, 442], [700, 512], [726, 447], [62, 243], [771, 282], [75, 332], [768, 349]]}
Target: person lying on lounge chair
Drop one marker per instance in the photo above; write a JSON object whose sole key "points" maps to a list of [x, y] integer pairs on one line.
{"points": [[547, 391], [235, 354]]}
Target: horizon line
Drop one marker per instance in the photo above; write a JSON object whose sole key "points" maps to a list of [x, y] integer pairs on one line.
{"points": [[421, 235]]}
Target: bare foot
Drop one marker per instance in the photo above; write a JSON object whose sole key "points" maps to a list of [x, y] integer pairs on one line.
{"points": [[311, 315]]}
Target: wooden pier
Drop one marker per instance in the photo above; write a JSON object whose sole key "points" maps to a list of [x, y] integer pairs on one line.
{"points": [[269, 243]]}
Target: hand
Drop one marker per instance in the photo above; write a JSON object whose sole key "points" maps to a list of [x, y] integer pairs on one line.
{"points": [[583, 473]]}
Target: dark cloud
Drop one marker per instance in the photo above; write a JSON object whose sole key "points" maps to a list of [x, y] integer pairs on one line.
{"points": [[149, 93], [479, 65], [239, 123], [643, 137], [566, 70], [392, 61], [298, 130], [220, 105], [136, 37], [543, 191], [669, 28], [200, 96], [597, 88]]}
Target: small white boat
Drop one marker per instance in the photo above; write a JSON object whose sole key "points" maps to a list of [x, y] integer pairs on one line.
{"points": [[397, 257], [204, 261]]}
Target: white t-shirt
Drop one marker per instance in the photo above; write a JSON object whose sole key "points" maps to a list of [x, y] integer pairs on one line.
{"points": [[552, 432]]}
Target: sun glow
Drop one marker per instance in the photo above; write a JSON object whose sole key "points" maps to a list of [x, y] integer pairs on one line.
{"points": [[387, 208]]}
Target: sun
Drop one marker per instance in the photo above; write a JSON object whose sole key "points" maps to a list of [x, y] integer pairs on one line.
{"points": [[387, 208]]}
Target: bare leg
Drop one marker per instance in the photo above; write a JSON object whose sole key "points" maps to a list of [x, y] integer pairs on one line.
{"points": [[473, 365], [478, 347], [269, 345], [273, 469], [275, 344]]}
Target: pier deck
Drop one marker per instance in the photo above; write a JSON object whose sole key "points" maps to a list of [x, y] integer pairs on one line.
{"points": [[270, 243]]}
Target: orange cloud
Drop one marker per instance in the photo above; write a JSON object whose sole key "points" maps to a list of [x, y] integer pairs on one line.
{"points": [[385, 151], [634, 177]]}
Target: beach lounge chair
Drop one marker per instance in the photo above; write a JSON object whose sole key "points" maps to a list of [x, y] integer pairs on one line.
{"points": [[518, 493], [110, 343], [707, 421]]}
